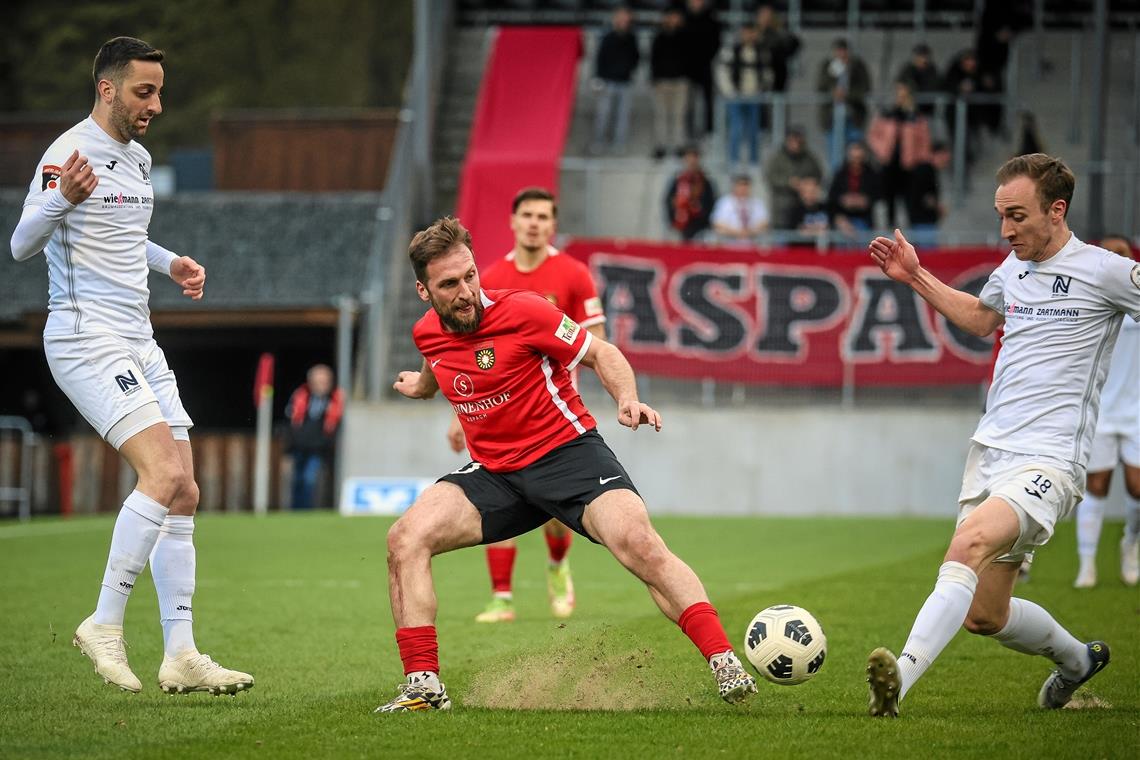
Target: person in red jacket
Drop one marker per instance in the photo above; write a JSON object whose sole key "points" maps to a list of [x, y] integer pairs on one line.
{"points": [[314, 410]]}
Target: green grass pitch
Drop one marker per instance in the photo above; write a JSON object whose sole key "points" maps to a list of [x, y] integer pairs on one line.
{"points": [[301, 602]]}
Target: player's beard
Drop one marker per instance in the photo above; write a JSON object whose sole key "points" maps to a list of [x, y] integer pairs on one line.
{"points": [[454, 323], [123, 121]]}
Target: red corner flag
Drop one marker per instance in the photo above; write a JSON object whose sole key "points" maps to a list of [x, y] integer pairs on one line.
{"points": [[263, 381]]}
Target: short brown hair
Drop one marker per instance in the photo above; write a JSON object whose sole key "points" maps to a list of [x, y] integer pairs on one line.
{"points": [[1054, 180], [116, 54], [534, 194], [434, 242]]}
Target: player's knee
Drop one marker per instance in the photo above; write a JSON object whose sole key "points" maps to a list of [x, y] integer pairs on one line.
{"points": [[186, 500], [640, 545], [403, 539], [969, 546]]}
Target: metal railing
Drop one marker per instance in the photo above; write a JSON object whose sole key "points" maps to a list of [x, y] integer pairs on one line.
{"points": [[407, 188], [22, 492]]}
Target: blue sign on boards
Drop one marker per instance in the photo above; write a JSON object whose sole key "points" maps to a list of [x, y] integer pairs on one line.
{"points": [[380, 496]]}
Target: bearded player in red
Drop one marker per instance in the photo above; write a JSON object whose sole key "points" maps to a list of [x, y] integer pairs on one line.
{"points": [[503, 359], [534, 264]]}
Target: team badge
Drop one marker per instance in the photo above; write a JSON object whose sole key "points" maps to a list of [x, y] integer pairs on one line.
{"points": [[50, 177], [1135, 275], [567, 330], [485, 357]]}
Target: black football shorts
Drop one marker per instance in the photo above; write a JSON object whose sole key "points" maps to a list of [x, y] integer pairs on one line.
{"points": [[558, 485]]}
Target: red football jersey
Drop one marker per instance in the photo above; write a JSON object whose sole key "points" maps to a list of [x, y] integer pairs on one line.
{"points": [[563, 280], [509, 381]]}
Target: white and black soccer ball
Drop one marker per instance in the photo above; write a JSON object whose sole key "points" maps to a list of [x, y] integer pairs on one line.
{"points": [[785, 644]]}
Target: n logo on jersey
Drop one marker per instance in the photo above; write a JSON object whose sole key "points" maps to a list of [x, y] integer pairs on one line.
{"points": [[1061, 285], [485, 357], [145, 173], [50, 176]]}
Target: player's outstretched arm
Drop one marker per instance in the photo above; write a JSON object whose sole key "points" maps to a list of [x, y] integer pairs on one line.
{"points": [[420, 384], [899, 261], [613, 369]]}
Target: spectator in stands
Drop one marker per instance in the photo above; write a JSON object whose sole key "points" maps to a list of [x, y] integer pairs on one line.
{"points": [[739, 217], [314, 411], [855, 189], [690, 198], [614, 66], [702, 43], [900, 140], [963, 80], [999, 23], [845, 79], [924, 207], [741, 79], [810, 220], [670, 84], [921, 75], [786, 169], [777, 46]]}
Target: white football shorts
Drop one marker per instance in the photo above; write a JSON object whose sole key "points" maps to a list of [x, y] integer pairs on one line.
{"points": [[1110, 449], [108, 377], [1041, 489]]}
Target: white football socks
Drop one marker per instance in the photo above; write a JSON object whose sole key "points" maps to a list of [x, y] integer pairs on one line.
{"points": [[1131, 518], [172, 564], [135, 533], [1090, 517], [1032, 630], [939, 619]]}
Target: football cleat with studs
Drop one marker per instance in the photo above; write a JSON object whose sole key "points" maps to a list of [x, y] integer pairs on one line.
{"points": [[560, 589], [498, 610], [417, 696], [1057, 690], [885, 682], [734, 684], [105, 646], [193, 671]]}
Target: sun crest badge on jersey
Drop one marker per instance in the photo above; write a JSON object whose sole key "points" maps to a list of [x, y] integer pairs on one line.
{"points": [[50, 177], [485, 357], [567, 331]]}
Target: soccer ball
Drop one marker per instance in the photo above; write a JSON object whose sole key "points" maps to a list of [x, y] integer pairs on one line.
{"points": [[785, 644]]}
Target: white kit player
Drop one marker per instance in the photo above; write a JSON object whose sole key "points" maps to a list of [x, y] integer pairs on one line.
{"points": [[1061, 302], [1117, 441], [88, 210]]}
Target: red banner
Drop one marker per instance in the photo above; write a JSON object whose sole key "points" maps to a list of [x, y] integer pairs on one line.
{"points": [[784, 316]]}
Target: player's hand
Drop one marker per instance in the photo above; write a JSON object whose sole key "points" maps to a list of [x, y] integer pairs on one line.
{"points": [[190, 275], [456, 438], [897, 258], [78, 180], [408, 384], [634, 413]]}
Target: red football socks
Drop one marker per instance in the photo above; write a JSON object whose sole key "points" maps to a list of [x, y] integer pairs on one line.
{"points": [[501, 563], [419, 648], [702, 625], [558, 546]]}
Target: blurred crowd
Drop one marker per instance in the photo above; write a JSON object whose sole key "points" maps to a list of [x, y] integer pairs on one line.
{"points": [[880, 163]]}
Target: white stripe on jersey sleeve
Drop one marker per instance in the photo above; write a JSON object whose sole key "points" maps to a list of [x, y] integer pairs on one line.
{"points": [[581, 352], [558, 401]]}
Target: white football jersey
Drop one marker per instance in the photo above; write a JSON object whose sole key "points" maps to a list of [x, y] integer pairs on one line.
{"points": [[97, 265], [1120, 399], [1062, 317]]}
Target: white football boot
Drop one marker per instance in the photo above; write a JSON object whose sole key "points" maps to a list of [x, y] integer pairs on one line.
{"points": [[193, 671], [105, 645], [733, 682], [1086, 575], [1129, 561]]}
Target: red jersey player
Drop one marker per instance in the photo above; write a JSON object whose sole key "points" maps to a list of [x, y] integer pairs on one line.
{"points": [[534, 264], [502, 358]]}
